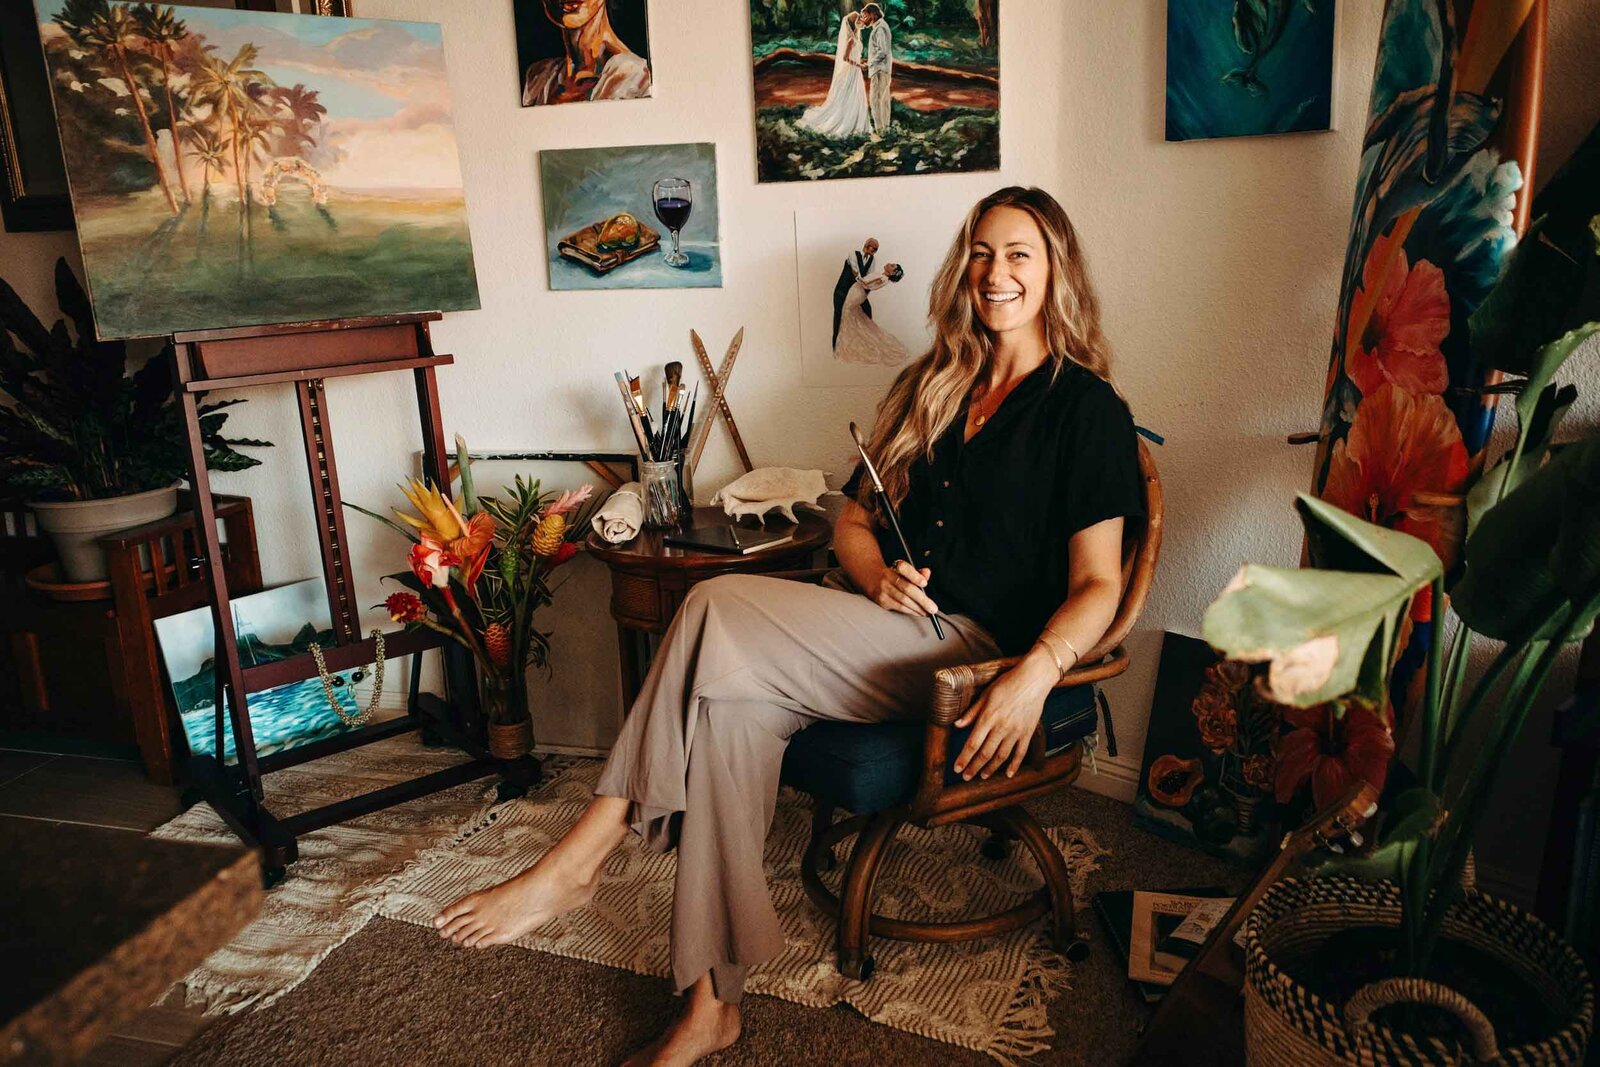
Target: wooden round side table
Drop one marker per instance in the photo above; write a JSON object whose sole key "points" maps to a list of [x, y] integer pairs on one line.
{"points": [[649, 579]]}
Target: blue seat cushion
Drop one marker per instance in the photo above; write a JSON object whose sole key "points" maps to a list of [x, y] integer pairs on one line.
{"points": [[867, 767]]}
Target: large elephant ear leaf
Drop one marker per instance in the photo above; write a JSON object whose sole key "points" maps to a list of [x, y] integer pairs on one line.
{"points": [[1536, 552], [1316, 628], [1339, 541], [1313, 628]]}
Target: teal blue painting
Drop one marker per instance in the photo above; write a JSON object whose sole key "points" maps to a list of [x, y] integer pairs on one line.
{"points": [[1240, 68], [272, 625], [639, 217]]}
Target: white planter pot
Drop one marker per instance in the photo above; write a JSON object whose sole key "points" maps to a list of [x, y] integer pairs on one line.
{"points": [[75, 524]]}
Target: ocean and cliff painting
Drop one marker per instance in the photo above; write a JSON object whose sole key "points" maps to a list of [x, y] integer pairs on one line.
{"points": [[237, 168], [1237, 68]]}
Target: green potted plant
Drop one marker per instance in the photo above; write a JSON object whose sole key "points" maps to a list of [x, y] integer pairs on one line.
{"points": [[91, 448], [1364, 964]]}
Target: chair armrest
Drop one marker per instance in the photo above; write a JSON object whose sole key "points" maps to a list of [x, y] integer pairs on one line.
{"points": [[955, 688]]}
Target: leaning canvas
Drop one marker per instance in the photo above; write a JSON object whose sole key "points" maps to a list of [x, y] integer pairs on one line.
{"points": [[238, 168], [858, 89]]}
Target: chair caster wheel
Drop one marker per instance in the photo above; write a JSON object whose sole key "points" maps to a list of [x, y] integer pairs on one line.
{"points": [[996, 848], [271, 876], [432, 739], [509, 790], [1075, 949], [859, 968]]}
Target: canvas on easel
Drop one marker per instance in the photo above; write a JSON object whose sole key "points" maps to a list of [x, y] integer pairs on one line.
{"points": [[268, 168]]}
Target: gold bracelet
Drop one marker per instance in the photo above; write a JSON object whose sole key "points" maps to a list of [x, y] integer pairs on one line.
{"points": [[1077, 657], [1061, 671]]}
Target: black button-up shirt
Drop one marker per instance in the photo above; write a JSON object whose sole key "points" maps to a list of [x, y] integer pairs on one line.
{"points": [[991, 517]]}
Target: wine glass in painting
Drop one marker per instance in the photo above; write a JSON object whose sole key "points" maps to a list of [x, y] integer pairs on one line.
{"points": [[674, 198]]}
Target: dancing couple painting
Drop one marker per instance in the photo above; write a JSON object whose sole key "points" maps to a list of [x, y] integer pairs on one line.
{"points": [[863, 67], [856, 338]]}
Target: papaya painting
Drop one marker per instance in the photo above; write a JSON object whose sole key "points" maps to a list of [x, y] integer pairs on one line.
{"points": [[238, 168], [1407, 410], [1237, 68]]}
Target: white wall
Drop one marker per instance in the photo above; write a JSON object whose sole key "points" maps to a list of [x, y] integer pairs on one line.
{"points": [[1217, 263]]}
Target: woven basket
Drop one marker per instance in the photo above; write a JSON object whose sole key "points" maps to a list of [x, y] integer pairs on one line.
{"points": [[510, 740], [1287, 1025]]}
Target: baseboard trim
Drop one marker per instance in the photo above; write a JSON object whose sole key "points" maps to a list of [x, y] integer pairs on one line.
{"points": [[1116, 779]]}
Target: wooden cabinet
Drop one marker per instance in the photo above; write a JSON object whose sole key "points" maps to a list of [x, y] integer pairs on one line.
{"points": [[80, 662]]}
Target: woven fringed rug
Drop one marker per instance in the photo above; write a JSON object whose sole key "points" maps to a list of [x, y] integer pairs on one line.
{"points": [[989, 996], [408, 861]]}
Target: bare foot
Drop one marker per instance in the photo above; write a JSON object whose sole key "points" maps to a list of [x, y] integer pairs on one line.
{"points": [[707, 1025], [505, 912]]}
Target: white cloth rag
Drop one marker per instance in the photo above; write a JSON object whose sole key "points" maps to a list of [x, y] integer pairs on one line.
{"points": [[771, 489], [619, 518]]}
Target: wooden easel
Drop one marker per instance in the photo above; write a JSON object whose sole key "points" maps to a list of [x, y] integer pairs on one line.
{"points": [[305, 354]]}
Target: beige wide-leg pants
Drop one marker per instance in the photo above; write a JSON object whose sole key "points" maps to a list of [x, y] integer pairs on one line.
{"points": [[747, 663]]}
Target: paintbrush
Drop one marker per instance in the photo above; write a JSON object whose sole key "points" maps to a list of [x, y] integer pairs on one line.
{"points": [[888, 510], [633, 418], [636, 396]]}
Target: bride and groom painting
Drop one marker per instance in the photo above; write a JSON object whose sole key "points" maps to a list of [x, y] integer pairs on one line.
{"points": [[856, 338], [863, 65]]}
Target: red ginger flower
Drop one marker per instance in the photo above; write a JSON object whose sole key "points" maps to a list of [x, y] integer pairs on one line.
{"points": [[1410, 319], [405, 607], [1333, 751], [567, 550]]}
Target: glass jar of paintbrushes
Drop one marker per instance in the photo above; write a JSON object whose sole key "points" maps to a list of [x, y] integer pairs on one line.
{"points": [[663, 434], [659, 481]]}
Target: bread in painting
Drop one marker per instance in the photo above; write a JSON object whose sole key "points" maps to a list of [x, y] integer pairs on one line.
{"points": [[619, 232]]}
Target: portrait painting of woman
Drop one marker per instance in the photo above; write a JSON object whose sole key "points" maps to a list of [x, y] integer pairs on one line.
{"points": [[571, 50]]}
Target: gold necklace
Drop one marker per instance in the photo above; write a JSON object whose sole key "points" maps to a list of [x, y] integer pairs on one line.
{"points": [[982, 417]]}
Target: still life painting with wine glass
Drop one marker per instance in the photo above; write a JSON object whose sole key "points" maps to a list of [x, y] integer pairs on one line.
{"points": [[637, 217]]}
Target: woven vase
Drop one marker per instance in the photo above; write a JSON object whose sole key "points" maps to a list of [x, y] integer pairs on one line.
{"points": [[510, 740], [1287, 1025]]}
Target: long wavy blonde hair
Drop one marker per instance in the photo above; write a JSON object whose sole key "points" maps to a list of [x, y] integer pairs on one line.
{"points": [[927, 396]]}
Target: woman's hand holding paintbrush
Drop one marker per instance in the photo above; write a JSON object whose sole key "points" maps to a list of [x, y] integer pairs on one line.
{"points": [[900, 588]]}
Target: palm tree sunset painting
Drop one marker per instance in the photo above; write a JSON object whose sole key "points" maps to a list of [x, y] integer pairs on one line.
{"points": [[240, 168]]}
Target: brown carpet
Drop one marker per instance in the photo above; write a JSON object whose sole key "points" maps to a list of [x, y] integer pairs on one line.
{"points": [[396, 994]]}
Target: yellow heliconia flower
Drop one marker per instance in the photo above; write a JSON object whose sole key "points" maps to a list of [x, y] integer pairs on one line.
{"points": [[440, 520]]}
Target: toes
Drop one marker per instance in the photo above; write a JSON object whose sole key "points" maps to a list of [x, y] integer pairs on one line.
{"points": [[459, 908], [461, 927]]}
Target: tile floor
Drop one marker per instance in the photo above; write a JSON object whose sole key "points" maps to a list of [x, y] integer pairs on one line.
{"points": [[111, 793]]}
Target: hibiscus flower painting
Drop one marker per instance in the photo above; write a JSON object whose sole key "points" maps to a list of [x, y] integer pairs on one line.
{"points": [[1405, 415]]}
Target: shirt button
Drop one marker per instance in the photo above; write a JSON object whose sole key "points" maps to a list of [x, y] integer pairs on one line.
{"points": [[938, 522], [926, 553], [947, 485]]}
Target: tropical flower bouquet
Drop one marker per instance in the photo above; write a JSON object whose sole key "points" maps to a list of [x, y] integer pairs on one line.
{"points": [[480, 571]]}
